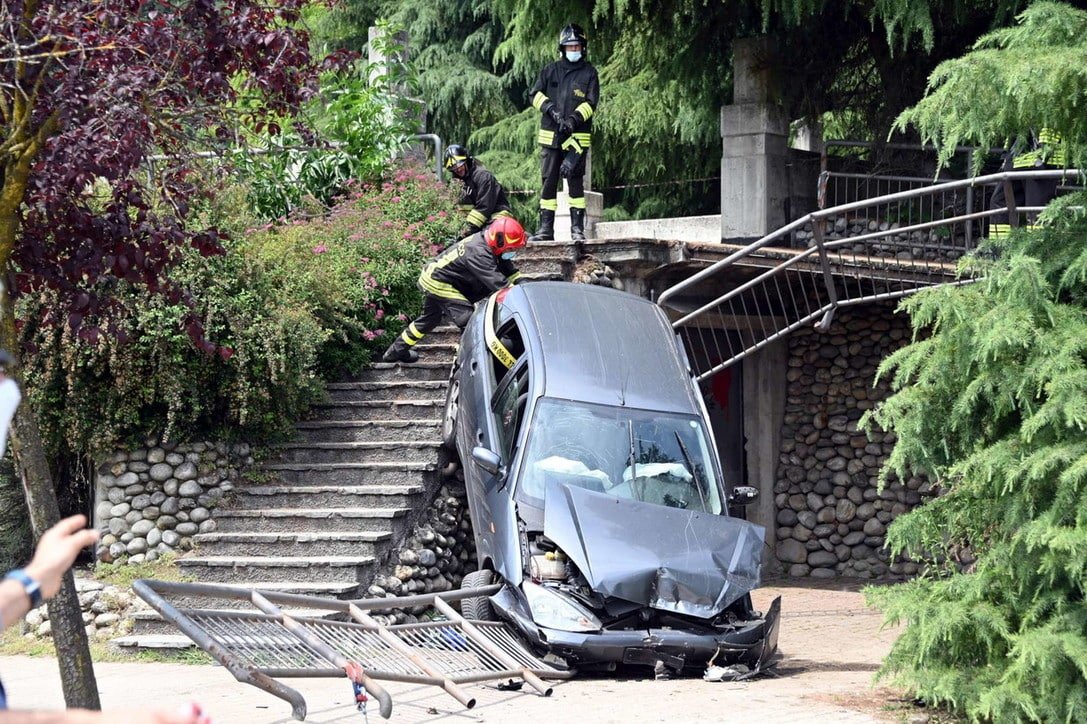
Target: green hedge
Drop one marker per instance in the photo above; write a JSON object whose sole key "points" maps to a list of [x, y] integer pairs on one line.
{"points": [[289, 306]]}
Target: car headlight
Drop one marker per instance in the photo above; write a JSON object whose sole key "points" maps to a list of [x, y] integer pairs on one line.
{"points": [[551, 609]]}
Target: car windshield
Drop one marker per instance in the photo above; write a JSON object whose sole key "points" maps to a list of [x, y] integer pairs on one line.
{"points": [[656, 458]]}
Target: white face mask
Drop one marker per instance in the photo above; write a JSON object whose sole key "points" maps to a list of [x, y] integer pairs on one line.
{"points": [[573, 55], [507, 255], [9, 400]]}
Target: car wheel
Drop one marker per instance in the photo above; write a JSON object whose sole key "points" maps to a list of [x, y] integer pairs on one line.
{"points": [[452, 406], [477, 608]]}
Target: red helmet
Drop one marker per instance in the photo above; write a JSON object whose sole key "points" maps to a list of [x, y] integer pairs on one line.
{"points": [[505, 234]]}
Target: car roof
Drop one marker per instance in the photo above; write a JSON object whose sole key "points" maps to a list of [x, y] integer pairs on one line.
{"points": [[606, 347]]}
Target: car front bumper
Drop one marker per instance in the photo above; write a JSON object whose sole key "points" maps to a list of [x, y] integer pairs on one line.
{"points": [[753, 645]]}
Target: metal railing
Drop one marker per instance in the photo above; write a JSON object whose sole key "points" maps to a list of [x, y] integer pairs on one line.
{"points": [[258, 647], [856, 253]]}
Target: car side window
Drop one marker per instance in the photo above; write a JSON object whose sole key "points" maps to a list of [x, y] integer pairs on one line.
{"points": [[506, 346], [509, 406]]}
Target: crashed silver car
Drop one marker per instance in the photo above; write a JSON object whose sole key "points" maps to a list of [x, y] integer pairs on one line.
{"points": [[595, 488]]}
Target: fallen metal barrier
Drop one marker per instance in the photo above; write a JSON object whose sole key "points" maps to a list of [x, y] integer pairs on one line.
{"points": [[258, 647]]}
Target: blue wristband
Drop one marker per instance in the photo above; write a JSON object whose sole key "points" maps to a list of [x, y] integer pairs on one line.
{"points": [[33, 588]]}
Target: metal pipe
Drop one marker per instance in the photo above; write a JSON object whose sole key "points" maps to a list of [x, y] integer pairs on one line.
{"points": [[385, 702], [438, 146], [485, 643], [397, 645], [818, 233], [244, 674]]}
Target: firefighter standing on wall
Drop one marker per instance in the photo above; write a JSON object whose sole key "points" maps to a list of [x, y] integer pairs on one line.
{"points": [[470, 270], [482, 199], [1045, 153], [566, 94]]}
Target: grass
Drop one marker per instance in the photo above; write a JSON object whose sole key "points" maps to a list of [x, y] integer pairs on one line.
{"points": [[14, 643], [122, 575]]}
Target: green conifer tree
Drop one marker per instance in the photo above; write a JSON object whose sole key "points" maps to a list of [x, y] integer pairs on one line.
{"points": [[991, 404]]}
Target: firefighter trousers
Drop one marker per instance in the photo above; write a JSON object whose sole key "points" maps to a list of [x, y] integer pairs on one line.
{"points": [[434, 308], [550, 161]]}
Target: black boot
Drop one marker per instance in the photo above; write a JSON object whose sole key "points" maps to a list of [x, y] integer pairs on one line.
{"points": [[577, 224], [546, 230], [400, 352]]}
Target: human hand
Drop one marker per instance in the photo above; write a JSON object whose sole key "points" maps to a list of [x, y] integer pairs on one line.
{"points": [[558, 119], [566, 169], [57, 550], [191, 713]]}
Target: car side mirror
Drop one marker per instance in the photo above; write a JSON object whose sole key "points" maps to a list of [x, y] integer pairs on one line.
{"points": [[488, 460], [743, 495]]}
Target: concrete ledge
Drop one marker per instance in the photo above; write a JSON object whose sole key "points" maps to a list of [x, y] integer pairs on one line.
{"points": [[681, 228]]}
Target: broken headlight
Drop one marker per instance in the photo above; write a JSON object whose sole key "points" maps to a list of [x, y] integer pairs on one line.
{"points": [[551, 609]]}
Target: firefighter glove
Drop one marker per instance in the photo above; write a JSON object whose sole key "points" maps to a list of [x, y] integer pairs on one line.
{"points": [[569, 164]]}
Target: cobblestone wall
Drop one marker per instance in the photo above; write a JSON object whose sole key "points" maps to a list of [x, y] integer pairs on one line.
{"points": [[153, 500], [831, 516]]}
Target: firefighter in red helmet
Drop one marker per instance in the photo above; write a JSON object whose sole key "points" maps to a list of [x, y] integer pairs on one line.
{"points": [[452, 282]]}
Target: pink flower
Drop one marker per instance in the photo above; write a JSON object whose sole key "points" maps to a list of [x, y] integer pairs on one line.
{"points": [[442, 214], [431, 217], [395, 199], [402, 317], [379, 314], [369, 336], [320, 249]]}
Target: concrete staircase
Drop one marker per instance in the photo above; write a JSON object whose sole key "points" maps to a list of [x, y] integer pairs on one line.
{"points": [[336, 500]]}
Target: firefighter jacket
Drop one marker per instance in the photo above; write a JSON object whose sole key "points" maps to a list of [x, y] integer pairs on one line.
{"points": [[575, 90], [467, 271], [483, 198], [1046, 151]]}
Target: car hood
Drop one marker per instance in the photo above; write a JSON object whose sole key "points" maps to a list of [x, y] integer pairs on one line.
{"points": [[677, 560]]}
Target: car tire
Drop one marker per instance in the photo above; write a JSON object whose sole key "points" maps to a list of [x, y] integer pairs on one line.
{"points": [[477, 608], [452, 405]]}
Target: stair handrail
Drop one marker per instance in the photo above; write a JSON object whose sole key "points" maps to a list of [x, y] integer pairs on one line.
{"points": [[816, 252]]}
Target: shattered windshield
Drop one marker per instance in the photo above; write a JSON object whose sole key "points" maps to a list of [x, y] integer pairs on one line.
{"points": [[652, 457]]}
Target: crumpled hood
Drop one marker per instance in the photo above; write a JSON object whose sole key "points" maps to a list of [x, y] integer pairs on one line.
{"points": [[688, 562]]}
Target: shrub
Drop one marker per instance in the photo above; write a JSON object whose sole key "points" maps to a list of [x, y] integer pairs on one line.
{"points": [[289, 306]]}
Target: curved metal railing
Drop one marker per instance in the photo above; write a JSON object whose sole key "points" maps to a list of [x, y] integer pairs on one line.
{"points": [[876, 249]]}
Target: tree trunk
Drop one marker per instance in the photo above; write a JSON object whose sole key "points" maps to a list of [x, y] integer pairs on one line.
{"points": [[69, 636]]}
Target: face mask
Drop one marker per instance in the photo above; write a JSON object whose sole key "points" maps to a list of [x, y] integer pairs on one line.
{"points": [[573, 55], [507, 255], [9, 400]]}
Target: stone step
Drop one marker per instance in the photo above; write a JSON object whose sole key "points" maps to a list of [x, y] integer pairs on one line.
{"points": [[435, 351], [365, 473], [425, 369], [239, 569], [564, 249], [380, 410], [311, 520], [303, 586], [150, 623], [325, 496], [407, 431], [155, 642], [388, 451], [333, 543], [394, 389]]}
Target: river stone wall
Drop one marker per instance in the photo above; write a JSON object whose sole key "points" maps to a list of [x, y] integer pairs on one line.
{"points": [[831, 515], [921, 244], [434, 558], [153, 500], [104, 609]]}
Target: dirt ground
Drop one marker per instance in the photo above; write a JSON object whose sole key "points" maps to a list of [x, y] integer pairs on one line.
{"points": [[831, 646]]}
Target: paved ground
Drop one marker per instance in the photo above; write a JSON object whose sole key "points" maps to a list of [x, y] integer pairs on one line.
{"points": [[831, 643]]}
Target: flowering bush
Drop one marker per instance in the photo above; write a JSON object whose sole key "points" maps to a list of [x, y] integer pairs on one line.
{"points": [[288, 306]]}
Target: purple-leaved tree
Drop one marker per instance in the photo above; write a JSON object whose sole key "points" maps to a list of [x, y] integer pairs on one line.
{"points": [[88, 91]]}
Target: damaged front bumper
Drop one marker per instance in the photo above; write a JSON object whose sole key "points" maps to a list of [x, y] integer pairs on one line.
{"points": [[754, 645]]}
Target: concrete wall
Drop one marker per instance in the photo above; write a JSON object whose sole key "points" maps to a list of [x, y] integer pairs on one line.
{"points": [[682, 228]]}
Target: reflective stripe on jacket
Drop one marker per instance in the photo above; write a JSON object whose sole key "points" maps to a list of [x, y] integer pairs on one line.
{"points": [[575, 90], [467, 270], [482, 197]]}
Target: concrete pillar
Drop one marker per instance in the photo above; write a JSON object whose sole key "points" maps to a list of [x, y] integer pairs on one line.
{"points": [[764, 413], [754, 147]]}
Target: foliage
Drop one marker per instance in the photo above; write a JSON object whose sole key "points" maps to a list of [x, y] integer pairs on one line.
{"points": [[991, 402], [350, 132], [289, 305], [1015, 79], [665, 69]]}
